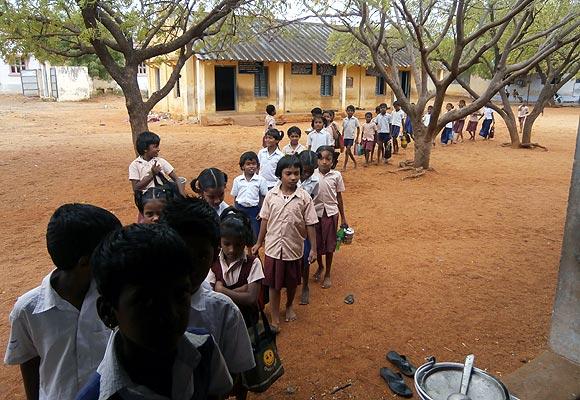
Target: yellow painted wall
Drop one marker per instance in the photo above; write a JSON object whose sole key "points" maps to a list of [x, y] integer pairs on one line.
{"points": [[303, 91]]}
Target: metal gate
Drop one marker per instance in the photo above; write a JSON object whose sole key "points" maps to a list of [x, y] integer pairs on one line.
{"points": [[29, 79], [53, 83]]}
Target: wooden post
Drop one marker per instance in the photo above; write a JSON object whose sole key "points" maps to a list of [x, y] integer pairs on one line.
{"points": [[281, 84], [200, 87], [343, 87]]}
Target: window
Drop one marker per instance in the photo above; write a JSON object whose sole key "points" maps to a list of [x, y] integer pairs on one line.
{"points": [[349, 82], [326, 85], [261, 83], [380, 86], [18, 66], [157, 79], [142, 69]]}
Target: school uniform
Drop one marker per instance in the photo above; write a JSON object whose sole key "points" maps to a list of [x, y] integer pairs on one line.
{"points": [[268, 163], [220, 208], [326, 205], [310, 185], [247, 194], [218, 315], [458, 127], [316, 139], [384, 127], [198, 371], [426, 119], [70, 342], [369, 130], [472, 124], [447, 134], [349, 126], [269, 122], [523, 112], [397, 123], [140, 168], [487, 121], [289, 150], [288, 217]]}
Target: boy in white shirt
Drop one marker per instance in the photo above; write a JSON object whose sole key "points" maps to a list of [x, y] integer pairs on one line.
{"points": [[523, 112], [397, 118], [383, 121], [56, 336], [350, 125]]}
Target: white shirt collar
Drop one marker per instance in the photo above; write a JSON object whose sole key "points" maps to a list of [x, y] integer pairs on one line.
{"points": [[198, 298], [49, 298]]}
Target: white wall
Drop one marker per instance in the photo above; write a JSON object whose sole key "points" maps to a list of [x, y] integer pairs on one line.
{"points": [[9, 82], [74, 83]]}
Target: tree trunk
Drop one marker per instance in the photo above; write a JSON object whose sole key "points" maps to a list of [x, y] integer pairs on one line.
{"points": [[423, 145], [510, 119], [546, 95], [136, 108]]}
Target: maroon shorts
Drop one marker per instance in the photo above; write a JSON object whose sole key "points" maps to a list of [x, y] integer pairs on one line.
{"points": [[326, 234], [280, 274], [471, 126], [368, 144], [458, 125]]}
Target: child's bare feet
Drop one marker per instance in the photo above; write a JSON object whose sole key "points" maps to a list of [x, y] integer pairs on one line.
{"points": [[290, 314], [317, 274], [305, 297], [326, 284]]}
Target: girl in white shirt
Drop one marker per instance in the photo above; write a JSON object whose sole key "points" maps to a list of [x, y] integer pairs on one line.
{"points": [[211, 186], [447, 134]]}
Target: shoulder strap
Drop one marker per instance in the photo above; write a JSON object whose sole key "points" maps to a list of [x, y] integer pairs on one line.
{"points": [[216, 268], [202, 373], [92, 388], [246, 269]]}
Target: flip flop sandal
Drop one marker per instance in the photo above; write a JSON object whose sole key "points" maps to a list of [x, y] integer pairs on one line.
{"points": [[395, 382], [402, 363], [349, 299]]}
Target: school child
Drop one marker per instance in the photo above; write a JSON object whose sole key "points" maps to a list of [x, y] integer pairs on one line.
{"points": [[458, 125], [55, 325], [383, 121], [397, 118], [315, 112], [408, 129], [270, 120], [336, 138], [318, 136], [447, 134], [369, 132], [151, 203], [349, 125], [197, 223], [427, 119], [488, 121], [374, 120], [143, 274], [328, 203], [472, 124], [210, 185], [249, 189], [308, 182], [523, 112], [288, 217], [294, 147], [145, 170], [268, 157]]}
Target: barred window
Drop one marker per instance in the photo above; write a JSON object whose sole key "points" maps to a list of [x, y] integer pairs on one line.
{"points": [[326, 85], [261, 83]]}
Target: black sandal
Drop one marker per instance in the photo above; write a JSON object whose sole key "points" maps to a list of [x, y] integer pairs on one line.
{"points": [[402, 363], [395, 382]]}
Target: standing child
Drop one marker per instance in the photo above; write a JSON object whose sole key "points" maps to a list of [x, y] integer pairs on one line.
{"points": [[211, 186], [55, 325], [427, 119], [269, 121], [447, 134], [269, 156], [288, 217], [249, 190], [408, 127], [336, 138], [369, 132], [374, 120], [458, 125], [318, 136], [328, 203], [523, 112], [384, 128], [308, 182], [488, 121], [472, 124], [350, 125], [397, 118], [294, 147]]}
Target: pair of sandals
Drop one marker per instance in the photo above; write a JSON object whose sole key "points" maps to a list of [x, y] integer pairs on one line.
{"points": [[394, 379]]}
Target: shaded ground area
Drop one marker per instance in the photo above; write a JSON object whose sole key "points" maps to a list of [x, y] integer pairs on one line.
{"points": [[462, 260]]}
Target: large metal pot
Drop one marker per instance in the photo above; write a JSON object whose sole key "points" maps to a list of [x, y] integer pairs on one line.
{"points": [[436, 381]]}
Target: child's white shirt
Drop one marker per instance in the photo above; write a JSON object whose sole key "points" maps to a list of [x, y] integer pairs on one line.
{"points": [[397, 117], [310, 185], [289, 150], [384, 123], [426, 119], [523, 111], [450, 123], [317, 139], [247, 192], [349, 126], [269, 122], [139, 168], [268, 164], [487, 113]]}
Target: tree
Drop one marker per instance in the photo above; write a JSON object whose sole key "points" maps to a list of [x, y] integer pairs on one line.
{"points": [[442, 40], [121, 33]]}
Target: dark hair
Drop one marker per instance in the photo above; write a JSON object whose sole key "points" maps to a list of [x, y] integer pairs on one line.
{"points": [[318, 117], [294, 129], [74, 230], [383, 105], [153, 193], [288, 161], [368, 114], [450, 104], [235, 223], [378, 109], [329, 112], [145, 139], [270, 109], [274, 133], [191, 216], [248, 156], [308, 159], [396, 103], [350, 107], [322, 149], [209, 178], [138, 254], [316, 111]]}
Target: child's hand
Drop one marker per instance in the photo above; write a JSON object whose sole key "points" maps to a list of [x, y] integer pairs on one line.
{"points": [[218, 286], [155, 169], [312, 256], [256, 249]]}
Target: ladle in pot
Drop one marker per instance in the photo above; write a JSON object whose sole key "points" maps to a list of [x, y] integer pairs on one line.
{"points": [[467, 368]]}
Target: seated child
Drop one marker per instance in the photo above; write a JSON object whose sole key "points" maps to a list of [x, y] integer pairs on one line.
{"points": [[143, 274], [294, 147], [151, 203], [236, 274], [198, 225], [55, 325], [211, 185]]}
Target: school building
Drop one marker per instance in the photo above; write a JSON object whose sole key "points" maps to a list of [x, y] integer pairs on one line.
{"points": [[293, 71]]}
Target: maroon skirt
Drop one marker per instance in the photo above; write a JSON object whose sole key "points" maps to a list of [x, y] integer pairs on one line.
{"points": [[326, 234], [458, 125], [471, 126], [280, 274]]}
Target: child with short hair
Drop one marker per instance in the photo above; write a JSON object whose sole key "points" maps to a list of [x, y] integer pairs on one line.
{"points": [[308, 182], [210, 185], [488, 121], [318, 136], [268, 156], [294, 147], [249, 189], [472, 124], [270, 120], [144, 277], [151, 203], [447, 134], [369, 132], [349, 125], [458, 125], [288, 217], [335, 136], [55, 325], [523, 112], [383, 121], [315, 112], [329, 204], [374, 121], [397, 118]]}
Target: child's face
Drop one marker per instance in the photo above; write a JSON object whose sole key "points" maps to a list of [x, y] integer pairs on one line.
{"points": [[214, 196], [325, 162], [151, 152], [233, 248], [294, 137], [368, 118], [307, 172], [429, 110], [349, 112], [448, 107], [397, 107], [152, 211], [249, 167], [317, 124], [270, 142], [326, 116], [383, 110], [290, 177]]}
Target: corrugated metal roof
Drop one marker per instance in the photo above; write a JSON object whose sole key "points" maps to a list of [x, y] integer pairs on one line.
{"points": [[302, 42]]}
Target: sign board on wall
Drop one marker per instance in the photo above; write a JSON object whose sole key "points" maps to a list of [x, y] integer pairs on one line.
{"points": [[250, 67], [301, 69], [325, 69]]}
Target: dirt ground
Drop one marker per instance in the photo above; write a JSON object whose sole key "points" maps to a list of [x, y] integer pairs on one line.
{"points": [[463, 260]]}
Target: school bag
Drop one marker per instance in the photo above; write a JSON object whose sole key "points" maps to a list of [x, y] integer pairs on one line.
{"points": [[388, 150]]}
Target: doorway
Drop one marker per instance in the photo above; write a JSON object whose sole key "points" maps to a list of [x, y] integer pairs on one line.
{"points": [[225, 88], [405, 82]]}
